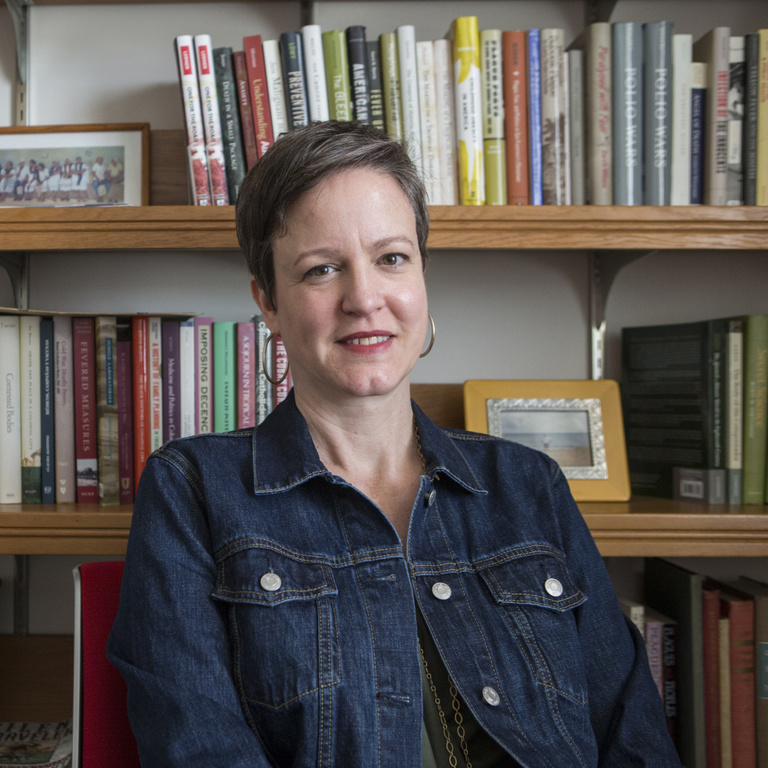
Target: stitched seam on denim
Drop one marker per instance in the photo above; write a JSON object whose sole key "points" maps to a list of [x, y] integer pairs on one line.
{"points": [[501, 558], [282, 704], [184, 467], [292, 484], [569, 601]]}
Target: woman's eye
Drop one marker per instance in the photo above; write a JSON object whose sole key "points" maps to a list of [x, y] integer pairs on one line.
{"points": [[392, 259], [319, 271]]}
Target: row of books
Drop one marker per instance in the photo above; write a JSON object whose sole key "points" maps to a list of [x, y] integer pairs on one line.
{"points": [[695, 403], [707, 646], [87, 398], [627, 114]]}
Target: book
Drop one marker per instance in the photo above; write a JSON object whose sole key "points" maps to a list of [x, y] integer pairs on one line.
{"points": [[10, 436], [725, 714], [492, 100], [446, 122], [258, 92], [677, 593], [187, 377], [140, 377], [124, 376], [280, 369], [635, 612], [713, 50], [515, 81], [428, 120], [30, 456], [197, 159], [680, 174], [229, 118], [376, 84], [761, 181], [244, 107], [264, 390], [698, 130], [734, 409], [657, 114], [337, 74], [43, 745], [314, 63], [204, 389], [292, 60], [170, 377], [278, 107], [661, 630], [710, 619], [155, 381], [567, 127], [246, 374], [654, 646], [47, 422], [554, 157], [224, 376], [535, 191], [751, 101], [105, 330], [209, 102], [357, 55], [86, 433], [627, 110], [63, 410], [734, 185], [409, 94], [576, 126], [390, 80]]}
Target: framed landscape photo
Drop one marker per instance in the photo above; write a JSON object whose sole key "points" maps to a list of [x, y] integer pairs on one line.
{"points": [[577, 423], [74, 165]]}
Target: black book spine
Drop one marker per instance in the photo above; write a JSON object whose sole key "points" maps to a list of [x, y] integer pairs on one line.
{"points": [[229, 114], [358, 73], [376, 85], [292, 56], [749, 145]]}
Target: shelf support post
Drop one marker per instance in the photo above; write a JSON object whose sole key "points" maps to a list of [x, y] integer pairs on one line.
{"points": [[19, 10], [16, 264]]}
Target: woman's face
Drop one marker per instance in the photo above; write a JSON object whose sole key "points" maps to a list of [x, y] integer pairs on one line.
{"points": [[351, 303]]}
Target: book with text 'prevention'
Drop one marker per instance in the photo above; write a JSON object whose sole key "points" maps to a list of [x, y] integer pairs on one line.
{"points": [[64, 410], [86, 431], [229, 116], [31, 448], [515, 81], [10, 437], [294, 80], [494, 140], [657, 115]]}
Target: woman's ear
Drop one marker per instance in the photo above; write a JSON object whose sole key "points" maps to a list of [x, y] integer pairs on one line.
{"points": [[265, 305]]}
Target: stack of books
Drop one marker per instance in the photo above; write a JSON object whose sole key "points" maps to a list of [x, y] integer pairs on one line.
{"points": [[629, 113]]}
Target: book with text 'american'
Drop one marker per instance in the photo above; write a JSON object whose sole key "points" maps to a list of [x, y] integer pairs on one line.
{"points": [[357, 54]]}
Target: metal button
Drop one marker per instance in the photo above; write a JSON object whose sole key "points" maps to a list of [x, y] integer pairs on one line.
{"points": [[431, 496], [271, 582], [441, 590], [490, 696], [553, 587]]}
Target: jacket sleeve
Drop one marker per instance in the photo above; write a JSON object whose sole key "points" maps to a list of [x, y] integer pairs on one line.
{"points": [[170, 640]]}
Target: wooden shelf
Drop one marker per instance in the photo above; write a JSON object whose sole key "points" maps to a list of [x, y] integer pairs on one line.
{"points": [[178, 227], [640, 528]]}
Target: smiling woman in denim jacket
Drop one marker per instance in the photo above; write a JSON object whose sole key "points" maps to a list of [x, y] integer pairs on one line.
{"points": [[349, 585]]}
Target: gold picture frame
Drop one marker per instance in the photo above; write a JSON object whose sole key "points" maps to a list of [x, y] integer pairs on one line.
{"points": [[576, 422]]}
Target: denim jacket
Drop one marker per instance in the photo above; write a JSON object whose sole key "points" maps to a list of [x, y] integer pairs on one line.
{"points": [[268, 610]]}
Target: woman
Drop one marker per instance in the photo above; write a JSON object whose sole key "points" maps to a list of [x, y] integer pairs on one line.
{"points": [[350, 585]]}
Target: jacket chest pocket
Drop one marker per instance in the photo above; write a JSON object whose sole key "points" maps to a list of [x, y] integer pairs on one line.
{"points": [[283, 621], [537, 599]]}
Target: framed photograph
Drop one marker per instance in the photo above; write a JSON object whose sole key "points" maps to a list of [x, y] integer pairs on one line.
{"points": [[577, 423], [74, 165]]}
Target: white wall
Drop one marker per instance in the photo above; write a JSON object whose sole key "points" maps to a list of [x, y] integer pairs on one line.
{"points": [[504, 314]]}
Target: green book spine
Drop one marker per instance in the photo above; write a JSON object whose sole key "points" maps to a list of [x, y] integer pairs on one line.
{"points": [[224, 376], [494, 144], [390, 77], [337, 74], [755, 404]]}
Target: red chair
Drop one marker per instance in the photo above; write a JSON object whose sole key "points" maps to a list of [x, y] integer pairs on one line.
{"points": [[101, 734]]}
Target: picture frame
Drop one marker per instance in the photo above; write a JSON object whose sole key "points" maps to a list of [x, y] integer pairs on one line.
{"points": [[576, 422], [74, 165]]}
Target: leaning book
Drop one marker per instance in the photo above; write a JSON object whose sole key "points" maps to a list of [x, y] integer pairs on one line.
{"points": [[43, 745]]}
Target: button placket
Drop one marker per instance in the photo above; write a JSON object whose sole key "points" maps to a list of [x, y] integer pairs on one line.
{"points": [[553, 587], [270, 582], [441, 590]]}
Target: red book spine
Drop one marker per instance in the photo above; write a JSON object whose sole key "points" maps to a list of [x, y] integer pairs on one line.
{"points": [[246, 375], [516, 116], [257, 78], [155, 357], [280, 368], [710, 614], [86, 440], [140, 341], [246, 112], [125, 451]]}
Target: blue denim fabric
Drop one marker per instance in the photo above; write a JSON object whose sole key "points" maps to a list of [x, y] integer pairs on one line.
{"points": [[324, 669]]}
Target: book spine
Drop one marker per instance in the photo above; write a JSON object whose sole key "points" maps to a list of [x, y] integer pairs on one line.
{"points": [[264, 391], [209, 102], [576, 143], [229, 118], [10, 435], [680, 175], [357, 55], [516, 115], [698, 130], [373, 58], [155, 382], [567, 127], [317, 91], [337, 75], [430, 141], [246, 112], [193, 121], [224, 376], [390, 77], [31, 470], [140, 343], [409, 94], [446, 121], [171, 385], [734, 185], [125, 451], [553, 154], [292, 60], [726, 734], [710, 615], [492, 100], [755, 405], [280, 368], [657, 98], [670, 678], [734, 418], [246, 375], [187, 377], [258, 92], [751, 98], [599, 89], [761, 194], [627, 110], [742, 662], [278, 109], [534, 117], [63, 411], [85, 410], [47, 426], [654, 642], [204, 375], [106, 408]]}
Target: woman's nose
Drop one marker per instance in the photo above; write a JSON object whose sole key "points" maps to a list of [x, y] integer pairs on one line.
{"points": [[361, 293]]}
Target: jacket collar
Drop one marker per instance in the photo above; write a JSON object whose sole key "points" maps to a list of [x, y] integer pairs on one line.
{"points": [[284, 455]]}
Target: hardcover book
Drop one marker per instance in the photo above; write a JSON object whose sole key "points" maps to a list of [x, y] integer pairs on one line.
{"points": [[680, 177], [751, 101], [576, 126], [187, 377], [86, 432], [698, 130], [736, 87], [428, 117], [247, 125], [446, 122], [229, 117], [171, 383], [278, 107], [409, 94], [125, 452], [553, 117], [494, 141], [64, 410], [141, 415], [224, 376], [292, 60], [655, 623], [258, 92], [10, 435], [204, 375], [534, 118], [264, 390], [47, 426], [246, 375], [31, 448], [373, 58], [516, 115], [761, 194], [390, 78], [317, 91], [155, 381], [107, 409], [337, 74], [357, 54]]}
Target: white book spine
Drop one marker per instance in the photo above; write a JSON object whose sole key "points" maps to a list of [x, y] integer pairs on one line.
{"points": [[275, 87], [64, 410], [576, 138], [553, 115], [409, 92], [10, 434], [446, 122], [155, 346], [567, 127], [682, 55], [187, 377], [736, 87], [430, 140], [31, 425], [314, 63]]}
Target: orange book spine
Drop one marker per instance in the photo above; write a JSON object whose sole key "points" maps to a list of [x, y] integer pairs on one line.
{"points": [[141, 438], [516, 116]]}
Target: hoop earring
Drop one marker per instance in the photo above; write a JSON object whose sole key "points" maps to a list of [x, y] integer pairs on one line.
{"points": [[264, 366], [432, 340]]}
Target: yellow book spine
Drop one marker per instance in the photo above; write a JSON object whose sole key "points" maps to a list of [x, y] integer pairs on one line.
{"points": [[762, 121], [494, 145], [469, 124]]}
